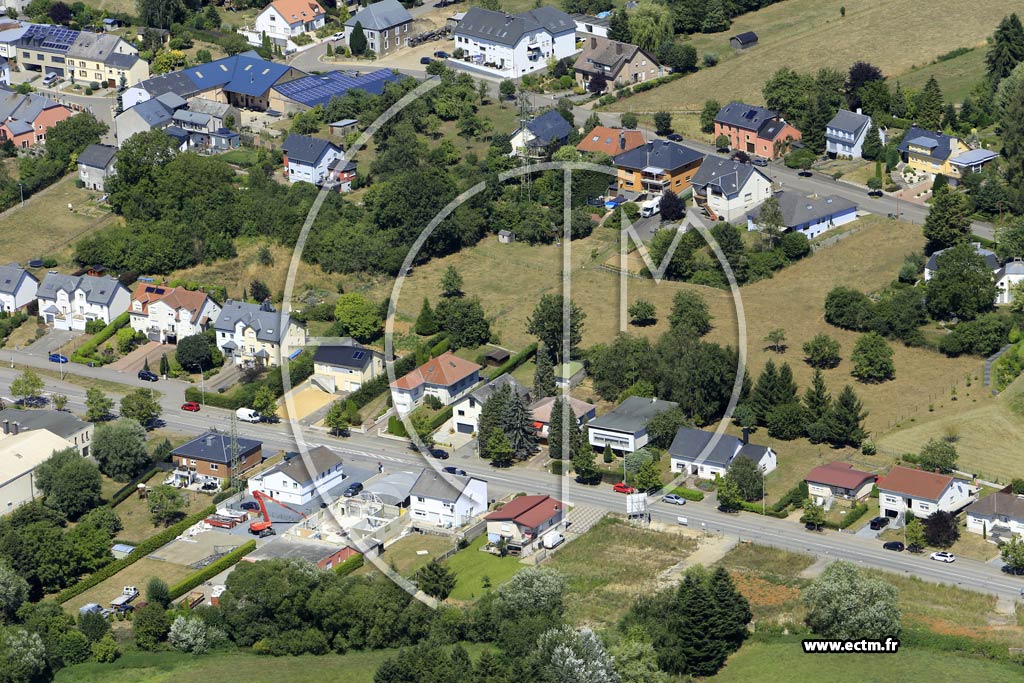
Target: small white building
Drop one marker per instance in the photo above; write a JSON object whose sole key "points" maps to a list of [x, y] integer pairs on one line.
{"points": [[923, 493], [446, 377], [845, 133], [68, 302], [688, 456], [1000, 515], [95, 165], [18, 288], [838, 480], [1012, 273], [168, 314], [282, 20], [624, 429], [436, 501], [587, 26], [301, 479], [811, 216], [513, 45], [523, 520], [466, 411], [309, 159], [728, 189]]}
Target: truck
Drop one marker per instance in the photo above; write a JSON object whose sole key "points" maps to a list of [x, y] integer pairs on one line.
{"points": [[651, 207], [121, 602]]}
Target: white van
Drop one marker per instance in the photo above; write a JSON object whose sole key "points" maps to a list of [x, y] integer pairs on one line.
{"points": [[552, 540], [247, 415], [651, 207]]}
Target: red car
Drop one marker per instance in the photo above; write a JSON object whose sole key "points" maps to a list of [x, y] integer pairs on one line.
{"points": [[190, 406], [622, 487]]}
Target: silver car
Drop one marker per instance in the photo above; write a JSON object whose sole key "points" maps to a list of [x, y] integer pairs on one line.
{"points": [[674, 499]]}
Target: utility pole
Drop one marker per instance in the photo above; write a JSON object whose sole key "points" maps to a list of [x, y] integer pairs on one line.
{"points": [[234, 451]]}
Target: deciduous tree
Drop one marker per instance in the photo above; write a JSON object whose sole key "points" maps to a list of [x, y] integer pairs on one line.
{"points": [[141, 405], [546, 324], [822, 351], [842, 603], [941, 529], [70, 483], [938, 456], [690, 314], [358, 317], [120, 449], [872, 359]]}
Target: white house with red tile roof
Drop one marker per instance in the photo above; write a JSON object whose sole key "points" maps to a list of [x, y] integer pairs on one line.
{"points": [[839, 480], [282, 20], [541, 410], [524, 519], [447, 377], [167, 314], [923, 493]]}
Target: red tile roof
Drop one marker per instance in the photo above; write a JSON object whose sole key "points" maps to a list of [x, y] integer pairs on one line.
{"points": [[175, 297], [915, 483], [298, 10], [528, 511], [445, 370], [605, 139], [839, 474]]}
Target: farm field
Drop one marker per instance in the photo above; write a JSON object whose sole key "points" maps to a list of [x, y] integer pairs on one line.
{"points": [[792, 33]]}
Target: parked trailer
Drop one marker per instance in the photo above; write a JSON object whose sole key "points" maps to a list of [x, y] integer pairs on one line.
{"points": [[193, 599], [221, 522]]}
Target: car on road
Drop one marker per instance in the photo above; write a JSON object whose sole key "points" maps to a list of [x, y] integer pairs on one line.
{"points": [[354, 489], [758, 161], [875, 193], [338, 36], [148, 376], [674, 499], [894, 545], [879, 523], [943, 556], [439, 453], [623, 487], [190, 406], [58, 358], [426, 60], [454, 470], [674, 137], [441, 54], [250, 505]]}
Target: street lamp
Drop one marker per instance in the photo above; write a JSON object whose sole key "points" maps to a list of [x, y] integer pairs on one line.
{"points": [[202, 380]]}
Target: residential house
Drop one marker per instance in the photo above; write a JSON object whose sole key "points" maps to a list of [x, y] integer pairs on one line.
{"points": [[446, 377], [438, 501], [393, 488], [11, 31], [18, 288], [991, 260], [611, 141], [728, 189], [691, 456], [999, 515], [322, 554], [385, 25], [923, 493], [513, 45], [282, 20], [95, 165], [302, 94], [208, 458], [20, 455], [345, 367], [587, 26], [77, 433], [1010, 275], [466, 411], [838, 480], [845, 134], [657, 166], [256, 334], [106, 59], [309, 159], [541, 411], [742, 41], [302, 478], [520, 522], [811, 216], [755, 130], [169, 314], [43, 48], [25, 119], [932, 152], [618, 63], [153, 114], [539, 134], [624, 428], [68, 302]]}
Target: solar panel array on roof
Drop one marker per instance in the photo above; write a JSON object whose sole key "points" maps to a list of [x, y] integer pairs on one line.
{"points": [[319, 89], [52, 37]]}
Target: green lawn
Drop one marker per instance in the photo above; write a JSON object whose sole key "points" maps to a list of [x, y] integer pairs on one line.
{"points": [[785, 662], [243, 156], [956, 77], [472, 567]]}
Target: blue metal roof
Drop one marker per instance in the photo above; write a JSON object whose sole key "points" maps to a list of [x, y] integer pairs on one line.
{"points": [[245, 74], [975, 156], [319, 89]]}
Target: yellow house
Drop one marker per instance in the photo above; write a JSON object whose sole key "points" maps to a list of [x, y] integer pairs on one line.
{"points": [[256, 334], [105, 59], [345, 367], [657, 166], [932, 152]]}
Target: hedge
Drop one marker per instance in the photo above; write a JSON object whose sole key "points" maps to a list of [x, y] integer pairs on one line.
{"points": [[84, 353], [440, 418], [225, 494], [211, 570], [756, 508], [440, 347], [557, 466], [513, 362], [230, 401], [795, 497], [396, 427], [130, 488], [855, 513], [378, 385], [350, 565], [141, 550], [688, 494]]}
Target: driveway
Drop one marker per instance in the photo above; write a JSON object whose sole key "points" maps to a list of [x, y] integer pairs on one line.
{"points": [[51, 341], [135, 360]]}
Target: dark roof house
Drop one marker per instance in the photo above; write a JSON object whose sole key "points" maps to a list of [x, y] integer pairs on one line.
{"points": [[660, 154], [930, 144], [64, 425], [306, 150], [727, 176], [268, 324], [508, 29], [688, 444], [632, 415], [381, 16], [607, 57], [547, 127], [353, 356], [216, 447], [97, 156], [991, 259], [798, 210], [846, 121]]}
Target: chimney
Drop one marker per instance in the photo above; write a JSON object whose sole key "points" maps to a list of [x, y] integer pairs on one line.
{"points": [[858, 110], [7, 426], [622, 139], [15, 428], [746, 435], [593, 42], [618, 48]]}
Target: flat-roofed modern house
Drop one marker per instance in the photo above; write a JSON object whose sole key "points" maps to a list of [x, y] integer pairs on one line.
{"points": [[20, 454], [68, 302], [209, 457], [839, 480], [513, 45], [811, 216], [385, 25], [18, 288], [689, 457], [728, 189], [657, 166], [624, 428], [845, 133]]}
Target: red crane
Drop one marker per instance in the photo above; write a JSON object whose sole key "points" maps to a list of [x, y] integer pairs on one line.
{"points": [[265, 523]]}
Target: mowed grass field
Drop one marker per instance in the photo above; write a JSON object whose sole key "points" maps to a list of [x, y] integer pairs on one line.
{"points": [[807, 35], [45, 227], [137, 574]]}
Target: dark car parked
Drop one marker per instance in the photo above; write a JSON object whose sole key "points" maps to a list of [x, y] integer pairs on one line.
{"points": [[354, 489], [454, 470], [879, 523], [894, 545], [675, 137], [439, 453], [148, 376]]}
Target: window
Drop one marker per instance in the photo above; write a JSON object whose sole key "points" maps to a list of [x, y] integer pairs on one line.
{"points": [[214, 466]]}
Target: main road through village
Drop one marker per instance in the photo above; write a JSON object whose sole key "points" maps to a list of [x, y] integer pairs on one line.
{"points": [[368, 450]]}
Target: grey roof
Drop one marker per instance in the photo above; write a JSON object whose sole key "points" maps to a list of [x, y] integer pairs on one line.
{"points": [[320, 459], [797, 209], [394, 488], [849, 122], [991, 260], [432, 485], [215, 447], [153, 112], [745, 38], [172, 100], [355, 356], [632, 415], [593, 21], [1015, 267], [97, 156], [218, 109], [64, 425], [747, 116], [547, 127], [268, 324], [485, 392], [688, 444], [938, 144], [11, 276], [508, 29], [725, 174], [295, 548], [975, 156], [306, 150], [19, 127], [23, 108], [381, 15], [607, 57], [177, 82], [98, 289], [193, 117], [94, 46], [999, 503], [343, 123], [663, 154]]}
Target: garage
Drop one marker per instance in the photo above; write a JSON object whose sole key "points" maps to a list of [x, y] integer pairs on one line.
{"points": [[463, 428], [55, 70]]}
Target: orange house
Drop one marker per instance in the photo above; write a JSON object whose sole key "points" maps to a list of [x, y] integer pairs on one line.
{"points": [[26, 118], [755, 130]]}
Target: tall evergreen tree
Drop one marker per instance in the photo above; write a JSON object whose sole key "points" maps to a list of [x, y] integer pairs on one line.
{"points": [[556, 442], [492, 418], [948, 222], [1011, 119], [499, 450], [899, 102], [618, 27], [817, 400], [819, 113], [845, 419], [426, 324], [949, 118], [730, 610], [762, 398], [785, 388], [522, 435], [872, 147], [929, 106], [544, 375], [357, 40], [1006, 49]]}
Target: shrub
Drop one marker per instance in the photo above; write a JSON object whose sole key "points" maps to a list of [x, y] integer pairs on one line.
{"points": [[688, 494], [85, 352], [350, 565], [94, 326]]}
